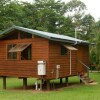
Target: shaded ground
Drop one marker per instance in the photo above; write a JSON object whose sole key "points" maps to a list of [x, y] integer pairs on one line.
{"points": [[17, 84]]}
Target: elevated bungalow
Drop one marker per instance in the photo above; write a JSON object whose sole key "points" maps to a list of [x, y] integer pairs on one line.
{"points": [[26, 53]]}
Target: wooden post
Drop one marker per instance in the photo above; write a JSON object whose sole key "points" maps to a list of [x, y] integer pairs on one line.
{"points": [[4, 82], [80, 81], [41, 84], [24, 83], [88, 73], [66, 80], [48, 84], [60, 80]]}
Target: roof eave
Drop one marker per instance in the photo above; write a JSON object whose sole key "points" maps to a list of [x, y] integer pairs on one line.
{"points": [[8, 30], [42, 35], [21, 29], [28, 31], [69, 41], [62, 40]]}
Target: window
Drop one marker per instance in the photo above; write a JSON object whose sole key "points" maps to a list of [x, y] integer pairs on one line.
{"points": [[17, 35], [26, 53], [24, 35], [11, 55], [23, 48], [63, 50], [11, 36]]}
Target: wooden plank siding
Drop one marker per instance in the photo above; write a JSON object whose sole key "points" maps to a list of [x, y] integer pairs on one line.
{"points": [[55, 58], [23, 68], [83, 55]]}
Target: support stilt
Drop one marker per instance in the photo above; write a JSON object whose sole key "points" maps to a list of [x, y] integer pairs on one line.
{"points": [[41, 84], [24, 83], [80, 81], [48, 84], [60, 80], [66, 80], [4, 82]]}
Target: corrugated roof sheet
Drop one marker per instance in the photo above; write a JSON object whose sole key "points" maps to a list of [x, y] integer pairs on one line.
{"points": [[51, 36]]}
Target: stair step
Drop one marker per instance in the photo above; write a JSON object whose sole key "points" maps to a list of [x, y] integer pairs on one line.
{"points": [[90, 81], [87, 80], [93, 83], [83, 76]]}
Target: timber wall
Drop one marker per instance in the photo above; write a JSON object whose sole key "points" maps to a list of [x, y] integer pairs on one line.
{"points": [[23, 68], [43, 49], [55, 58], [83, 55]]}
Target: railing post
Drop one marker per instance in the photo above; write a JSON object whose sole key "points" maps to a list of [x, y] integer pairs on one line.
{"points": [[88, 73]]}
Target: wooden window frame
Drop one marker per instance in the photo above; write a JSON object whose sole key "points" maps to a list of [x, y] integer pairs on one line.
{"points": [[29, 53], [11, 53], [18, 53]]}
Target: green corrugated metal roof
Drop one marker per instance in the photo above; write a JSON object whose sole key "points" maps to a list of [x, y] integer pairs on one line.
{"points": [[51, 36]]}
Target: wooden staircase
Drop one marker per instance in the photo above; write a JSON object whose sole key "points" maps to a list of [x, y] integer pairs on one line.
{"points": [[84, 77], [86, 80]]}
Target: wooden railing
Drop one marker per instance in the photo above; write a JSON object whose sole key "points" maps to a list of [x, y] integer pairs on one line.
{"points": [[84, 65]]}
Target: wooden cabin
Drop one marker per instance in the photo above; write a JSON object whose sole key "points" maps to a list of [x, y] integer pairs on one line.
{"points": [[26, 53]]}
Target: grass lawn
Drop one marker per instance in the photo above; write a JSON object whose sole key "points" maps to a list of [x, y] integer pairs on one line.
{"points": [[74, 91]]}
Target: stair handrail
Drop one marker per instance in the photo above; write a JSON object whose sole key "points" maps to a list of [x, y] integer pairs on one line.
{"points": [[84, 64], [85, 67]]}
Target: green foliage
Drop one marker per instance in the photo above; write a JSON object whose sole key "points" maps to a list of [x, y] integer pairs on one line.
{"points": [[46, 15], [49, 13], [11, 14], [89, 23], [95, 50], [93, 56], [76, 9], [97, 41]]}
